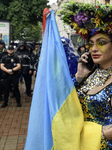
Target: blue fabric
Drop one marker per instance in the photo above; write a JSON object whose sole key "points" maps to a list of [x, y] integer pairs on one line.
{"points": [[72, 59], [52, 87]]}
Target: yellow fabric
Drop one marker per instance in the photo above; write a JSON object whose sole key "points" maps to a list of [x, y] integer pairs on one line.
{"points": [[69, 130], [91, 136]]}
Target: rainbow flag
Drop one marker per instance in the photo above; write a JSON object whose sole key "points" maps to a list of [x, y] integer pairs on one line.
{"points": [[56, 118]]}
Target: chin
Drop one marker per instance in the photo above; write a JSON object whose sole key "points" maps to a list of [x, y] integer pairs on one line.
{"points": [[97, 61]]}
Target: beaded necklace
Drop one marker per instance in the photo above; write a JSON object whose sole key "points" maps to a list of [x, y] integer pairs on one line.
{"points": [[98, 78]]}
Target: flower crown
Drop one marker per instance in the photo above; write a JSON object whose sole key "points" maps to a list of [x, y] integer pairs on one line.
{"points": [[87, 19]]}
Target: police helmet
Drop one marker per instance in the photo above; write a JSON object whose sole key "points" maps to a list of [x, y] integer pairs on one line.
{"points": [[10, 47], [2, 42]]}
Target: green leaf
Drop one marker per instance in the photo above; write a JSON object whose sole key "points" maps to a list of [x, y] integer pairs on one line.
{"points": [[22, 13]]}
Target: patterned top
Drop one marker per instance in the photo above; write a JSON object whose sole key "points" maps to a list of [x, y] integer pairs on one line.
{"points": [[97, 108]]}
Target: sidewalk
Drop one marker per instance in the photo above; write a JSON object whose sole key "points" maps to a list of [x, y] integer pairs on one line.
{"points": [[14, 122]]}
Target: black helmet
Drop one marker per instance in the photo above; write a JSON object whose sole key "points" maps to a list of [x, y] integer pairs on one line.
{"points": [[10, 47], [2, 42], [29, 46], [22, 43]]}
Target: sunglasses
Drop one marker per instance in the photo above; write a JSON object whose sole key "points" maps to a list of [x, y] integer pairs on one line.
{"points": [[99, 44]]}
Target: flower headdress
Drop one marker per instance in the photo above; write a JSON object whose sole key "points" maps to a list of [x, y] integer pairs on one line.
{"points": [[87, 19]]}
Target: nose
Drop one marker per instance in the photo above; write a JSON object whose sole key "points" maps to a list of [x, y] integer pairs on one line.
{"points": [[94, 48], [93, 51]]}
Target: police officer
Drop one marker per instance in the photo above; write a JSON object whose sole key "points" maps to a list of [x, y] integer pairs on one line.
{"points": [[82, 49], [2, 53], [10, 65], [36, 61], [32, 56], [25, 60]]}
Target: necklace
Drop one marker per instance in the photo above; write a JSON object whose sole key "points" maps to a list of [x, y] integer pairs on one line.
{"points": [[98, 78]]}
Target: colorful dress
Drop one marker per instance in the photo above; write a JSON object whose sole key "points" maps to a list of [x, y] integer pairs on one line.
{"points": [[97, 108]]}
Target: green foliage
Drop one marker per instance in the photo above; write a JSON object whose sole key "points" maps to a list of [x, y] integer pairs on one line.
{"points": [[28, 32], [24, 15], [86, 18]]}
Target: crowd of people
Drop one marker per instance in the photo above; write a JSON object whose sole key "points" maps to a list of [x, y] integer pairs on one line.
{"points": [[20, 63], [17, 64]]}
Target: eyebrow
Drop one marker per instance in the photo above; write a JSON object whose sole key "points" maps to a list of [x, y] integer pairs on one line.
{"points": [[99, 39]]}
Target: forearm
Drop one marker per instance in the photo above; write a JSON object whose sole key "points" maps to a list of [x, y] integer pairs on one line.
{"points": [[79, 78], [107, 131], [3, 68], [17, 67], [82, 72]]}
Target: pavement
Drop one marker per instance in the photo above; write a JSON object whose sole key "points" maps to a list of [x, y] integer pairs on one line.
{"points": [[14, 121]]}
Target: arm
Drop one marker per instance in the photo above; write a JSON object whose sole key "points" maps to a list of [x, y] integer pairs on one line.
{"points": [[32, 63], [9, 71], [35, 65], [17, 67], [82, 70], [107, 132]]}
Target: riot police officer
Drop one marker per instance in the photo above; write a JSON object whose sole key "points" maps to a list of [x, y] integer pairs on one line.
{"points": [[36, 61], [25, 60], [32, 56], [2, 53], [10, 65]]}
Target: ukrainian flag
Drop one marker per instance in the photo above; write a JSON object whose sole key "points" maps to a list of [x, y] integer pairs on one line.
{"points": [[56, 118]]}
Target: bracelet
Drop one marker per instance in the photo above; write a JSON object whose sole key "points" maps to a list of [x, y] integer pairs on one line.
{"points": [[12, 70]]}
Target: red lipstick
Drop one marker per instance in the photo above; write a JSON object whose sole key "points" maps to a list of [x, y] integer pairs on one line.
{"points": [[96, 56]]}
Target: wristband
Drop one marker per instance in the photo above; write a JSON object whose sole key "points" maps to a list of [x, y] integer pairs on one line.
{"points": [[12, 70]]}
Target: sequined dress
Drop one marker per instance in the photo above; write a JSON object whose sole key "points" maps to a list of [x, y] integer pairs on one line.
{"points": [[97, 108]]}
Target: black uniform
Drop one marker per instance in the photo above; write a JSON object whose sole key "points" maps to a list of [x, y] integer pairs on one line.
{"points": [[25, 60], [32, 56], [3, 52], [36, 60], [10, 62]]}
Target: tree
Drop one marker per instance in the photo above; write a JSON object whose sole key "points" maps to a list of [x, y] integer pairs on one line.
{"points": [[23, 15], [29, 32]]}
